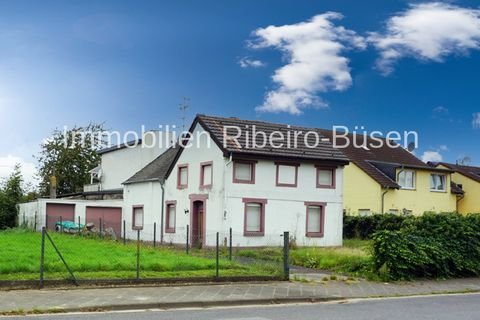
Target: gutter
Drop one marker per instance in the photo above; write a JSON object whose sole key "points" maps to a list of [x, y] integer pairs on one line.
{"points": [[162, 185], [383, 199], [459, 198]]}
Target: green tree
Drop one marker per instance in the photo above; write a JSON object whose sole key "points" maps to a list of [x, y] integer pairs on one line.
{"points": [[11, 194], [69, 155]]}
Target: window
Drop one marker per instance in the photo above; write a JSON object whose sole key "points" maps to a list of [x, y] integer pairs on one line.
{"points": [[170, 216], [315, 219], [254, 224], [364, 212], [244, 172], [406, 179], [287, 175], [393, 211], [325, 177], [137, 218], [437, 182], [182, 177], [206, 174]]}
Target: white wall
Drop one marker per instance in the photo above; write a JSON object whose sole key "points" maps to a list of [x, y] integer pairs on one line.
{"points": [[38, 209], [119, 165]]}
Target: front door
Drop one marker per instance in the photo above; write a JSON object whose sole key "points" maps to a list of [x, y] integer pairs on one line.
{"points": [[198, 224]]}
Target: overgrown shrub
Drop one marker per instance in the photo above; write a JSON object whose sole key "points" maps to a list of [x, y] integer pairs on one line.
{"points": [[363, 227], [433, 245]]}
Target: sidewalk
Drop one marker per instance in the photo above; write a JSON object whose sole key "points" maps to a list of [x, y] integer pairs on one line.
{"points": [[219, 294]]}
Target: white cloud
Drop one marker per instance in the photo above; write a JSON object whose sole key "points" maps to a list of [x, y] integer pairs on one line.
{"points": [[440, 109], [250, 63], [433, 156], [427, 31], [443, 147], [476, 120], [8, 163], [313, 52]]}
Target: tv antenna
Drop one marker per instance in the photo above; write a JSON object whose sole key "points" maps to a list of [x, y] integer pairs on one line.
{"points": [[183, 109], [465, 161]]}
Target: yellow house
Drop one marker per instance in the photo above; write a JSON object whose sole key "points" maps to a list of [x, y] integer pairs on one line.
{"points": [[392, 180], [468, 179]]}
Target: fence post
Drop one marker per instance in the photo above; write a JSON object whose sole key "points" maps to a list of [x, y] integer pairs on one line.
{"points": [[61, 224], [42, 257], [188, 240], [79, 228], [286, 265], [138, 254], [124, 233], [230, 245], [100, 227], [217, 258], [154, 234], [35, 222]]}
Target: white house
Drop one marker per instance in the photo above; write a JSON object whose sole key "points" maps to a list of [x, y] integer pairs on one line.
{"points": [[212, 182]]}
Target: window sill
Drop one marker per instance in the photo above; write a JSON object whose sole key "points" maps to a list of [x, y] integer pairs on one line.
{"points": [[286, 185], [408, 189], [182, 187], [206, 187], [314, 235], [438, 191], [244, 181], [254, 234], [169, 230], [319, 186]]}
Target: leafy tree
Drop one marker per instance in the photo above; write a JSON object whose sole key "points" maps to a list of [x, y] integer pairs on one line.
{"points": [[69, 155], [11, 194]]}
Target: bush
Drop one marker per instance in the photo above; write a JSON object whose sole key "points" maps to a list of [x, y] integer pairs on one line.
{"points": [[363, 227], [433, 245]]}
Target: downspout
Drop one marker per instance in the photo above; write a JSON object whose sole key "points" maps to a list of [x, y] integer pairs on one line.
{"points": [[225, 186], [459, 198], [383, 199], [162, 185]]}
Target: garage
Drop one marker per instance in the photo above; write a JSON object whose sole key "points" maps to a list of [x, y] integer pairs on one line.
{"points": [[59, 212], [110, 217]]}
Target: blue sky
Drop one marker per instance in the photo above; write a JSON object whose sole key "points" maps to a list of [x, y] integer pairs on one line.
{"points": [[130, 63]]}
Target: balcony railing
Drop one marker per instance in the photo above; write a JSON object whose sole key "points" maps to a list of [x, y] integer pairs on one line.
{"points": [[92, 187]]}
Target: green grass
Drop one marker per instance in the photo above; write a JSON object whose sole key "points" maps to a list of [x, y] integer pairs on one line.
{"points": [[104, 259], [353, 258]]}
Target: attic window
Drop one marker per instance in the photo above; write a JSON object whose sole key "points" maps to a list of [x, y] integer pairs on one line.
{"points": [[437, 182]]}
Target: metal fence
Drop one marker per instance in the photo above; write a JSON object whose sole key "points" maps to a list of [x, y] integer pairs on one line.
{"points": [[78, 255]]}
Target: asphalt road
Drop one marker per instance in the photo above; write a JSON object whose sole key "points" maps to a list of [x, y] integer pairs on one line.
{"points": [[461, 307]]}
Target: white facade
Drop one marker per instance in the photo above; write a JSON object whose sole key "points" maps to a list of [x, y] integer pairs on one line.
{"points": [[285, 209], [119, 165]]}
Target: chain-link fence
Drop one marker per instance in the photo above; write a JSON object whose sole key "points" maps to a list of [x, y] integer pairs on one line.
{"points": [[80, 253]]}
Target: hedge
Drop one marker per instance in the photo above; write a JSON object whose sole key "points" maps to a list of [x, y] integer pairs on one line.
{"points": [[433, 245], [363, 227]]}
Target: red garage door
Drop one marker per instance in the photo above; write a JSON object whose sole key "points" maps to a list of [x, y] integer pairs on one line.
{"points": [[110, 217], [57, 212]]}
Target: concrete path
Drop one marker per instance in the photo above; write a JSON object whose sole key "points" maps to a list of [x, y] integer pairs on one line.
{"points": [[219, 294]]}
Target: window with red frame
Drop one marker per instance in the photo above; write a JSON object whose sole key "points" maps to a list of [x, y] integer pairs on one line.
{"points": [[137, 218], [287, 175], [315, 220], [182, 178], [206, 174], [171, 217], [254, 217], [325, 177], [243, 172]]}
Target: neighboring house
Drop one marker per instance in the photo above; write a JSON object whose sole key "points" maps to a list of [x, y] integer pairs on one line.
{"points": [[393, 180], [467, 178], [259, 193]]}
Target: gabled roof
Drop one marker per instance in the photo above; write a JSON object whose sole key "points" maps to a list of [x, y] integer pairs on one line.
{"points": [[157, 169], [379, 163], [216, 127], [468, 171], [324, 152]]}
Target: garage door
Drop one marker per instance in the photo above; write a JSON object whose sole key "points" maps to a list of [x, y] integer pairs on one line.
{"points": [[57, 212], [110, 217]]}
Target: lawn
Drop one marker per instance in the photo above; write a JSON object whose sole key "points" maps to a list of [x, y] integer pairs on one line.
{"points": [[104, 259], [353, 258]]}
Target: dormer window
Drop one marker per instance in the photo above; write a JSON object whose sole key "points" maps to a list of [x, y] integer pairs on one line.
{"points": [[406, 179]]}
